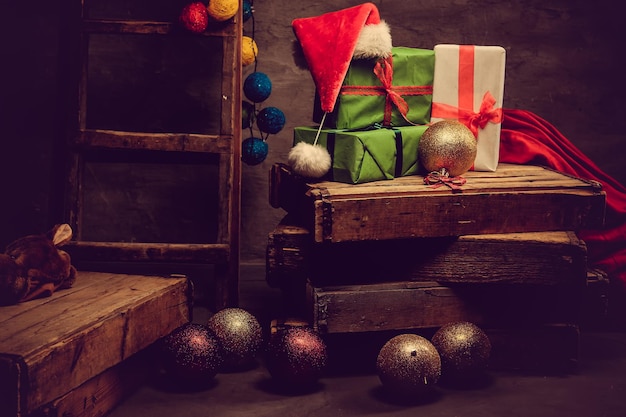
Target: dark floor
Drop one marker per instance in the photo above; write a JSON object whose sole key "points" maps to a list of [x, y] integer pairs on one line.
{"points": [[597, 388]]}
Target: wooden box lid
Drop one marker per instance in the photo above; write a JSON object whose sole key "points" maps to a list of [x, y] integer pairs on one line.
{"points": [[545, 258], [515, 198], [52, 345]]}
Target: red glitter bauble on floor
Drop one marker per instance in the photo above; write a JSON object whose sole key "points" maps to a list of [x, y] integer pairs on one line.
{"points": [[464, 349], [239, 334], [296, 357], [191, 353], [408, 365], [194, 17]]}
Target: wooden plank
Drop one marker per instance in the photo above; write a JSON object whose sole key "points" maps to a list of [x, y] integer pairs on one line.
{"points": [[415, 305], [146, 27], [174, 142], [147, 252], [515, 258], [516, 198], [80, 332], [104, 392]]}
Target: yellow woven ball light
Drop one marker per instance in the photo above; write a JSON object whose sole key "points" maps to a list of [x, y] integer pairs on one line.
{"points": [[222, 10], [249, 50]]}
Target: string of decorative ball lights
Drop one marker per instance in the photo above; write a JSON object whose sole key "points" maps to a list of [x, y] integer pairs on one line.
{"points": [[257, 87]]}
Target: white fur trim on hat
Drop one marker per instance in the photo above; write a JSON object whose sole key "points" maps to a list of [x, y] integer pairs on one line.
{"points": [[374, 41]]}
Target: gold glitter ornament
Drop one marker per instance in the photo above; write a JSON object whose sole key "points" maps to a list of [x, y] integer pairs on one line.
{"points": [[408, 365], [449, 145], [239, 334], [464, 349]]}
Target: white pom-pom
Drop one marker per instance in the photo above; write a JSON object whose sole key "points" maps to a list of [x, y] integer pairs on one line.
{"points": [[311, 161], [374, 41]]}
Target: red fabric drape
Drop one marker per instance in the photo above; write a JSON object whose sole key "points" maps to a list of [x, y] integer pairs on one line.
{"points": [[528, 139]]}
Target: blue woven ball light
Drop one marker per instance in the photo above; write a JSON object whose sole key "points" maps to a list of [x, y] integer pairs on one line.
{"points": [[253, 151], [257, 87], [247, 10], [270, 120]]}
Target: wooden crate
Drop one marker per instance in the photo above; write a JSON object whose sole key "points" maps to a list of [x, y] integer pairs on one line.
{"points": [[52, 346], [104, 392], [414, 305], [516, 198], [517, 258]]}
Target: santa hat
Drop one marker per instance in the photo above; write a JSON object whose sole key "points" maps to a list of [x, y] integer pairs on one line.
{"points": [[329, 43]]}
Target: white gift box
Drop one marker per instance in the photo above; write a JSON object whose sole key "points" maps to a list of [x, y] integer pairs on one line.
{"points": [[468, 86]]}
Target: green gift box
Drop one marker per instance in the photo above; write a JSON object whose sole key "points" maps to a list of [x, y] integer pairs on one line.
{"points": [[360, 156], [372, 95]]}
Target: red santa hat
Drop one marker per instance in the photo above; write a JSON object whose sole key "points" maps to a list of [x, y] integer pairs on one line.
{"points": [[330, 41]]}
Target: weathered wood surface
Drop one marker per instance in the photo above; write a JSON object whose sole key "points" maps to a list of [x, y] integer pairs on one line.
{"points": [[52, 345], [414, 305], [515, 258], [515, 198], [104, 392]]}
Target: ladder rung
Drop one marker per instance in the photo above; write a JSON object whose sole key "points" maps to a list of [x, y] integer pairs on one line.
{"points": [[188, 142], [212, 253], [146, 27]]}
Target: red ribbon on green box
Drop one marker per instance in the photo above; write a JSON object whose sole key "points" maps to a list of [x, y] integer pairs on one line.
{"points": [[396, 91], [383, 69]]}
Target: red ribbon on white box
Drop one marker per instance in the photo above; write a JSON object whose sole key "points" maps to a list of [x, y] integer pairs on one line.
{"points": [[473, 120], [465, 113]]}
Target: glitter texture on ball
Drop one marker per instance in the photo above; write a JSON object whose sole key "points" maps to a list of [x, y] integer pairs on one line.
{"points": [[296, 357], [257, 87], [239, 334], [448, 145], [271, 120], [191, 353], [464, 349], [254, 151], [408, 365], [194, 17]]}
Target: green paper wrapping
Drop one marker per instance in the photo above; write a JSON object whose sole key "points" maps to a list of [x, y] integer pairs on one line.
{"points": [[412, 67], [367, 155]]}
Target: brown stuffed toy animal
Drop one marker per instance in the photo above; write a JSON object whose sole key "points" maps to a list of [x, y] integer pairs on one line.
{"points": [[34, 266]]}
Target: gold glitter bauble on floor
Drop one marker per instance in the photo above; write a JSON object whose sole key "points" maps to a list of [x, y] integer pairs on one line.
{"points": [[408, 365], [464, 349], [240, 335], [447, 144]]}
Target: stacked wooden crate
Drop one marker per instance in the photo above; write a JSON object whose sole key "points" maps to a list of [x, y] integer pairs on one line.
{"points": [[84, 349], [398, 255]]}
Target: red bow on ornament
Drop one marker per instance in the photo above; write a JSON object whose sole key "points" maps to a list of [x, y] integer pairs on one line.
{"points": [[469, 118], [442, 177]]}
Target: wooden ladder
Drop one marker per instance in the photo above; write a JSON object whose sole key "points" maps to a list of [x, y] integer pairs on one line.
{"points": [[109, 221]]}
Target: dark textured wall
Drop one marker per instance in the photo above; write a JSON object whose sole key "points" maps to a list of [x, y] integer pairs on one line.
{"points": [[564, 62]]}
